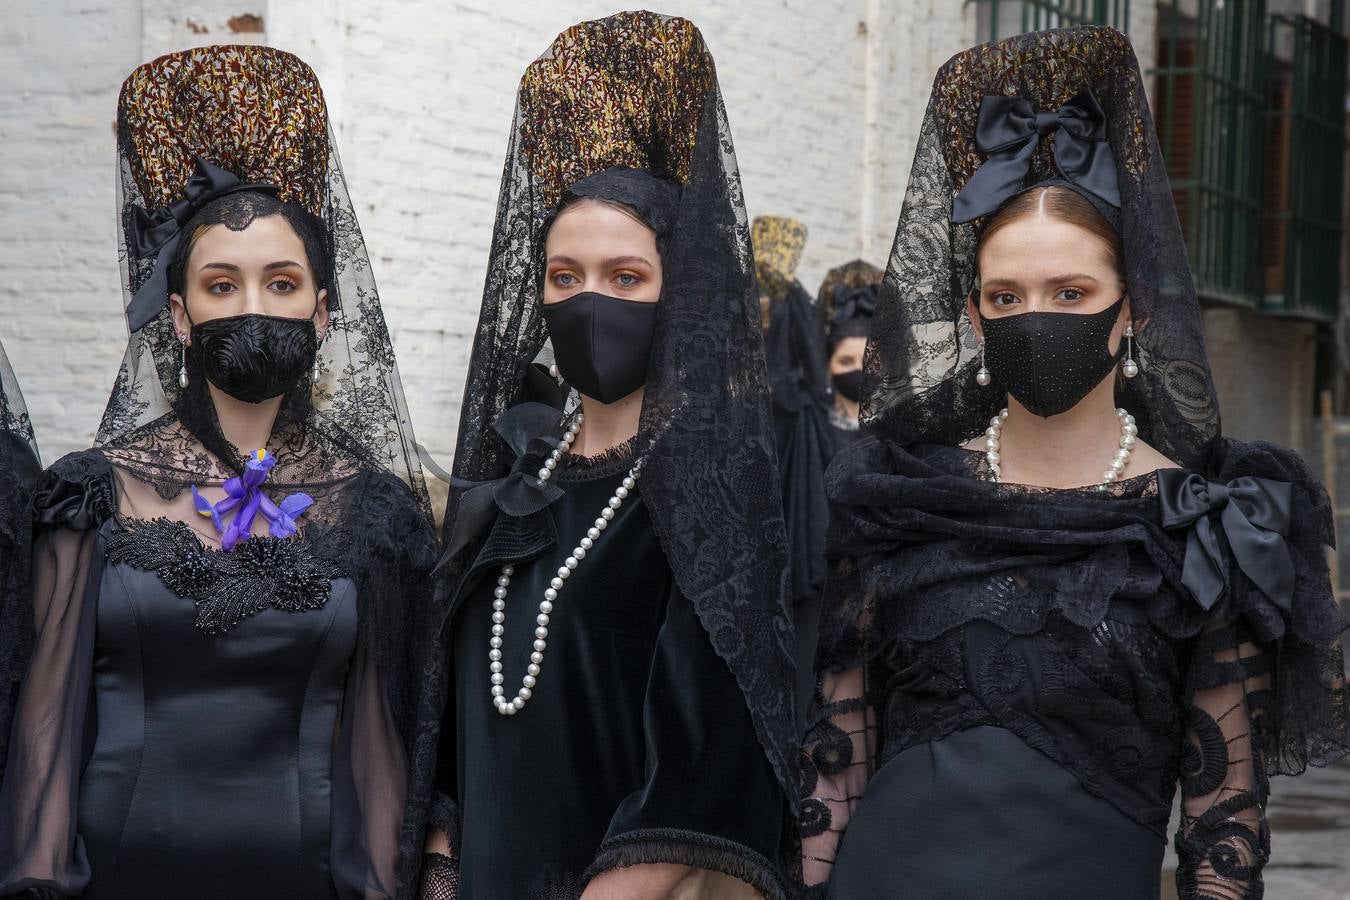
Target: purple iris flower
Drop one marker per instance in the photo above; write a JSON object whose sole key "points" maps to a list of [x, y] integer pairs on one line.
{"points": [[245, 498]]}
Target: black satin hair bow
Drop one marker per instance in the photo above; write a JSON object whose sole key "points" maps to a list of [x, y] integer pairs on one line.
{"points": [[532, 430], [1010, 129], [1254, 514], [157, 233], [853, 303]]}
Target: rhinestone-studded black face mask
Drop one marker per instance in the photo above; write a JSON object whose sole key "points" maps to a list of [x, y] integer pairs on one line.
{"points": [[1049, 361]]}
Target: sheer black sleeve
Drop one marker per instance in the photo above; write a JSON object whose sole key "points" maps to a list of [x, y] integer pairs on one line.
{"points": [[1223, 842], [39, 798], [711, 800], [439, 878], [840, 746], [1266, 692]]}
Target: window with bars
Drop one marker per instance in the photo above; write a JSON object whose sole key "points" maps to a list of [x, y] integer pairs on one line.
{"points": [[995, 19], [1305, 147], [1250, 114], [1210, 103]]}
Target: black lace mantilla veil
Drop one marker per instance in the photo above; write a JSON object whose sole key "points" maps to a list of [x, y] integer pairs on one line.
{"points": [[257, 114], [921, 542], [18, 472], [647, 85]]}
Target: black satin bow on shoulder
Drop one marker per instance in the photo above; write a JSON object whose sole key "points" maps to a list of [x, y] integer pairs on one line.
{"points": [[1010, 129], [1255, 515], [157, 232], [532, 430]]}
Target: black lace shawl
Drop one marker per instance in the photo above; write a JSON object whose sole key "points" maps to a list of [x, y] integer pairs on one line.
{"points": [[18, 472], [710, 478]]}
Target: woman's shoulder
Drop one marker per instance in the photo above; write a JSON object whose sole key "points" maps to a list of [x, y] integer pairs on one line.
{"points": [[75, 492]]}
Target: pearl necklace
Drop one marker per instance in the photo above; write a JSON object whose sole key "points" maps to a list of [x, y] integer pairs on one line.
{"points": [[516, 704], [1129, 432]]}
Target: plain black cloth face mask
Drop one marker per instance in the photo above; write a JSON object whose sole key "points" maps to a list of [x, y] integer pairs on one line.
{"points": [[253, 357], [1050, 361], [602, 344], [849, 384]]}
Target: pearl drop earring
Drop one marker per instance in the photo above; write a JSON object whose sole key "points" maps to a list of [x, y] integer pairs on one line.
{"points": [[1129, 368], [182, 365], [982, 377]]}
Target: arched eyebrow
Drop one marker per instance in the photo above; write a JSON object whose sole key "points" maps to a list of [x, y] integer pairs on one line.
{"points": [[270, 267], [610, 263], [996, 283]]}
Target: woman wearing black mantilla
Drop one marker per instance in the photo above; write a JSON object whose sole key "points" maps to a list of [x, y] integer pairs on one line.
{"points": [[225, 589], [613, 697], [1056, 591]]}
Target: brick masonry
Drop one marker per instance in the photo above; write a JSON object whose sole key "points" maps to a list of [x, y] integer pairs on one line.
{"points": [[824, 96]]}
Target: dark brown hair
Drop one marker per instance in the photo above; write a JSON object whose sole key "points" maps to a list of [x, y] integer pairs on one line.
{"points": [[1064, 205]]}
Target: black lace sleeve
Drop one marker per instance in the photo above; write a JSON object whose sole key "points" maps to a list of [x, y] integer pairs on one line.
{"points": [[1266, 685], [840, 746], [1223, 842], [439, 878], [711, 800], [39, 847]]}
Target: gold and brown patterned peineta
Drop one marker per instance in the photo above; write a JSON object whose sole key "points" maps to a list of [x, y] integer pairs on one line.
{"points": [[1048, 68], [852, 275], [628, 90], [254, 111], [778, 243]]}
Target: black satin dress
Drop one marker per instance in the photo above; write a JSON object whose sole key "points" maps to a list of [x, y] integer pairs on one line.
{"points": [[197, 722], [636, 745], [211, 769]]}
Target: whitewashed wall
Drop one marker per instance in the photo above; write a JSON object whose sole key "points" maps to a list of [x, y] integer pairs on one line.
{"points": [[824, 97]]}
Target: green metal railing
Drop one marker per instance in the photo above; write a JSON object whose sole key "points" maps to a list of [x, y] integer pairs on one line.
{"points": [[1002, 18], [1211, 89], [1312, 127]]}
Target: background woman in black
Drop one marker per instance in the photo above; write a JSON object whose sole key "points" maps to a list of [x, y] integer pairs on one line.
{"points": [[225, 588], [1057, 592], [613, 696], [847, 301]]}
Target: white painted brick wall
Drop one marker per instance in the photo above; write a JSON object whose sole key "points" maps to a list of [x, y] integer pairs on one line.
{"points": [[824, 96]]}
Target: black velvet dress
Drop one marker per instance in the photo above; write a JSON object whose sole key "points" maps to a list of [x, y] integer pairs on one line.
{"points": [[636, 745]]}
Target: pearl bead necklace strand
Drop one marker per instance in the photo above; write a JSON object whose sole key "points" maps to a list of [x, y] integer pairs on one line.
{"points": [[1129, 436], [531, 678]]}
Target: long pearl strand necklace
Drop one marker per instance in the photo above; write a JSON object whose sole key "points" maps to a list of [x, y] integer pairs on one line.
{"points": [[516, 704], [1129, 436]]}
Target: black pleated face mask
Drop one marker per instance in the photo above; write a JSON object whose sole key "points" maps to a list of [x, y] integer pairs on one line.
{"points": [[1050, 361], [602, 344], [253, 357]]}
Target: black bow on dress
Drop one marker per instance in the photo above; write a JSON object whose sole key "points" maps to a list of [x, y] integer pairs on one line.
{"points": [[158, 231], [1254, 514], [532, 431], [1010, 129]]}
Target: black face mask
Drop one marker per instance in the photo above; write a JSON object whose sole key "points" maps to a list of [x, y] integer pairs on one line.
{"points": [[602, 345], [255, 358], [1050, 361], [849, 384]]}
